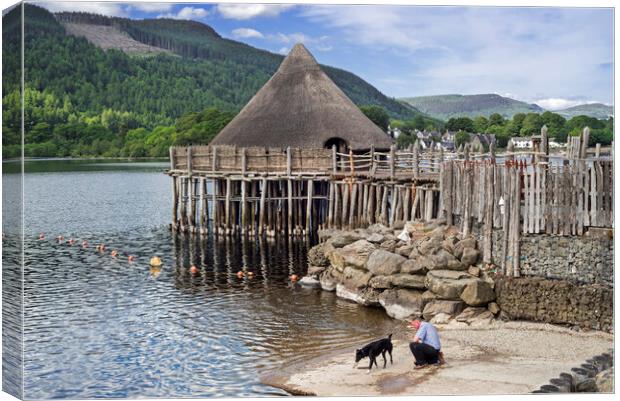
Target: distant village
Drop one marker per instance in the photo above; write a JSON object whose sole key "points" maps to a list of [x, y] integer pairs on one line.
{"points": [[435, 140]]}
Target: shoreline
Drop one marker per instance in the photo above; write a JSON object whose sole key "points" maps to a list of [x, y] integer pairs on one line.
{"points": [[481, 359]]}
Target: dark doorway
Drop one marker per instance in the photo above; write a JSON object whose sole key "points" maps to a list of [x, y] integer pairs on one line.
{"points": [[341, 144]]}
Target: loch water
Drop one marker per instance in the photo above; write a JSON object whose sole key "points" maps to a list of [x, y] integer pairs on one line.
{"points": [[97, 326]]}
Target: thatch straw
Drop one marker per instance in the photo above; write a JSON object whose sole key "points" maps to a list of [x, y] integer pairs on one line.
{"points": [[300, 106]]}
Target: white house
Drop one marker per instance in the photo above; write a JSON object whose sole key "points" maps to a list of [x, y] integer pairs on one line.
{"points": [[524, 142]]}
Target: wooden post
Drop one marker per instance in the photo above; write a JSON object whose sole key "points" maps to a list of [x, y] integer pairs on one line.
{"points": [[372, 159], [416, 160], [227, 205], [597, 154], [392, 162], [508, 191], [488, 213], [515, 215], [261, 206], [448, 197], [309, 222], [466, 150], [289, 162], [334, 159], [544, 143], [584, 143]]}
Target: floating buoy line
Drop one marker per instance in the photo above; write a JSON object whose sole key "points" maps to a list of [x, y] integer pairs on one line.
{"points": [[154, 262]]}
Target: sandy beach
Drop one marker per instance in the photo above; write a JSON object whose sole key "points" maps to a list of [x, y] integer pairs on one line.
{"points": [[496, 358]]}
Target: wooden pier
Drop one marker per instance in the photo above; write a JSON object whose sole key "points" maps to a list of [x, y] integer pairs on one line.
{"points": [[293, 191]]}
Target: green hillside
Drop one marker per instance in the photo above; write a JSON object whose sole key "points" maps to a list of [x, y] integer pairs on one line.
{"points": [[70, 81], [445, 107], [596, 110]]}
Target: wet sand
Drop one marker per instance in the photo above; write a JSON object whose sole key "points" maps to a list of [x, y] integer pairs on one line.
{"points": [[500, 358]]}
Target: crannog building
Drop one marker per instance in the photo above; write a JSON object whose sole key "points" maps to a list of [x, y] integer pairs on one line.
{"points": [[300, 106]]}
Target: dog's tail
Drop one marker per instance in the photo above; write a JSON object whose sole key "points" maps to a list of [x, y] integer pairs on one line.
{"points": [[389, 337]]}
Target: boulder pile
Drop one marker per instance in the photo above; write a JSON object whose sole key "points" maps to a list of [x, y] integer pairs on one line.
{"points": [[425, 269]]}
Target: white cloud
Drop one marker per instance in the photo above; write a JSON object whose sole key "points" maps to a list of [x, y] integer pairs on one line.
{"points": [[188, 13], [317, 43], [246, 33], [481, 49], [104, 8], [152, 7], [249, 11], [284, 50], [559, 103]]}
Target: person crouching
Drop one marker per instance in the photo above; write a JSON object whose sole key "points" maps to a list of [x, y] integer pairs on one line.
{"points": [[426, 347]]}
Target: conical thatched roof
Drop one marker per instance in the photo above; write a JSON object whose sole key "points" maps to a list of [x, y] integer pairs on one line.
{"points": [[301, 107]]}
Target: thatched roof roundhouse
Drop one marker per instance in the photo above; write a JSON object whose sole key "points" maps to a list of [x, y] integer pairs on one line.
{"points": [[300, 106]]}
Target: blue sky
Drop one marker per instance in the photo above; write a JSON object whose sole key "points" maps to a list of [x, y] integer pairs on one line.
{"points": [[556, 57]]}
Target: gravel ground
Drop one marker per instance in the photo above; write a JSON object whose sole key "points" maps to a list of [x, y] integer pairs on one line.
{"points": [[496, 358]]}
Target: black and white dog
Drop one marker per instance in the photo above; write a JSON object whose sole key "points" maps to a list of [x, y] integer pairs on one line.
{"points": [[373, 350]]}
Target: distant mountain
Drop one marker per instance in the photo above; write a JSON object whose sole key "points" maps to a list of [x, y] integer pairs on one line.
{"points": [[596, 110], [447, 106]]}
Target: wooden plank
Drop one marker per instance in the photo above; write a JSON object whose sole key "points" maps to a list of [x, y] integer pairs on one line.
{"points": [[515, 225], [526, 204], [261, 207], [593, 196], [448, 198]]}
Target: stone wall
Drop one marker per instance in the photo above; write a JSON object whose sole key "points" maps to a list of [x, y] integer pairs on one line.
{"points": [[555, 301], [587, 259]]}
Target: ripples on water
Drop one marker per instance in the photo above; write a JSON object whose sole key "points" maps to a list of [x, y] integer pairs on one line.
{"points": [[97, 326]]}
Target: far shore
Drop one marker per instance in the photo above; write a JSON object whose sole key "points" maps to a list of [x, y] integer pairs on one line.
{"points": [[497, 358]]}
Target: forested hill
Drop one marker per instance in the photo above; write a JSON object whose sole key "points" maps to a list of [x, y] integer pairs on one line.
{"points": [[212, 71], [448, 106], [596, 110]]}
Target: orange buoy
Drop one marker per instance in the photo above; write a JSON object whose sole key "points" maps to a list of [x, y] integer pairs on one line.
{"points": [[250, 274], [114, 254], [155, 261], [130, 258], [194, 270], [240, 274], [41, 237], [294, 277]]}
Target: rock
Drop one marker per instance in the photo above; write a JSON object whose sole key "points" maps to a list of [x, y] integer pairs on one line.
{"points": [[328, 282], [404, 250], [389, 245], [483, 319], [470, 313], [469, 256], [344, 239], [450, 308], [408, 281], [402, 304], [478, 292], [316, 256], [429, 246], [315, 270], [367, 297], [441, 318], [428, 296], [378, 228], [605, 381], [308, 281], [493, 308], [380, 282], [447, 284], [384, 263], [354, 254], [444, 260], [448, 244], [474, 271], [438, 233], [375, 238], [412, 267], [460, 246], [355, 278]]}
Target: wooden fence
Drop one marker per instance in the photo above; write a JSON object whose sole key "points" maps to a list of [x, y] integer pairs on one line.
{"points": [[521, 199]]}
